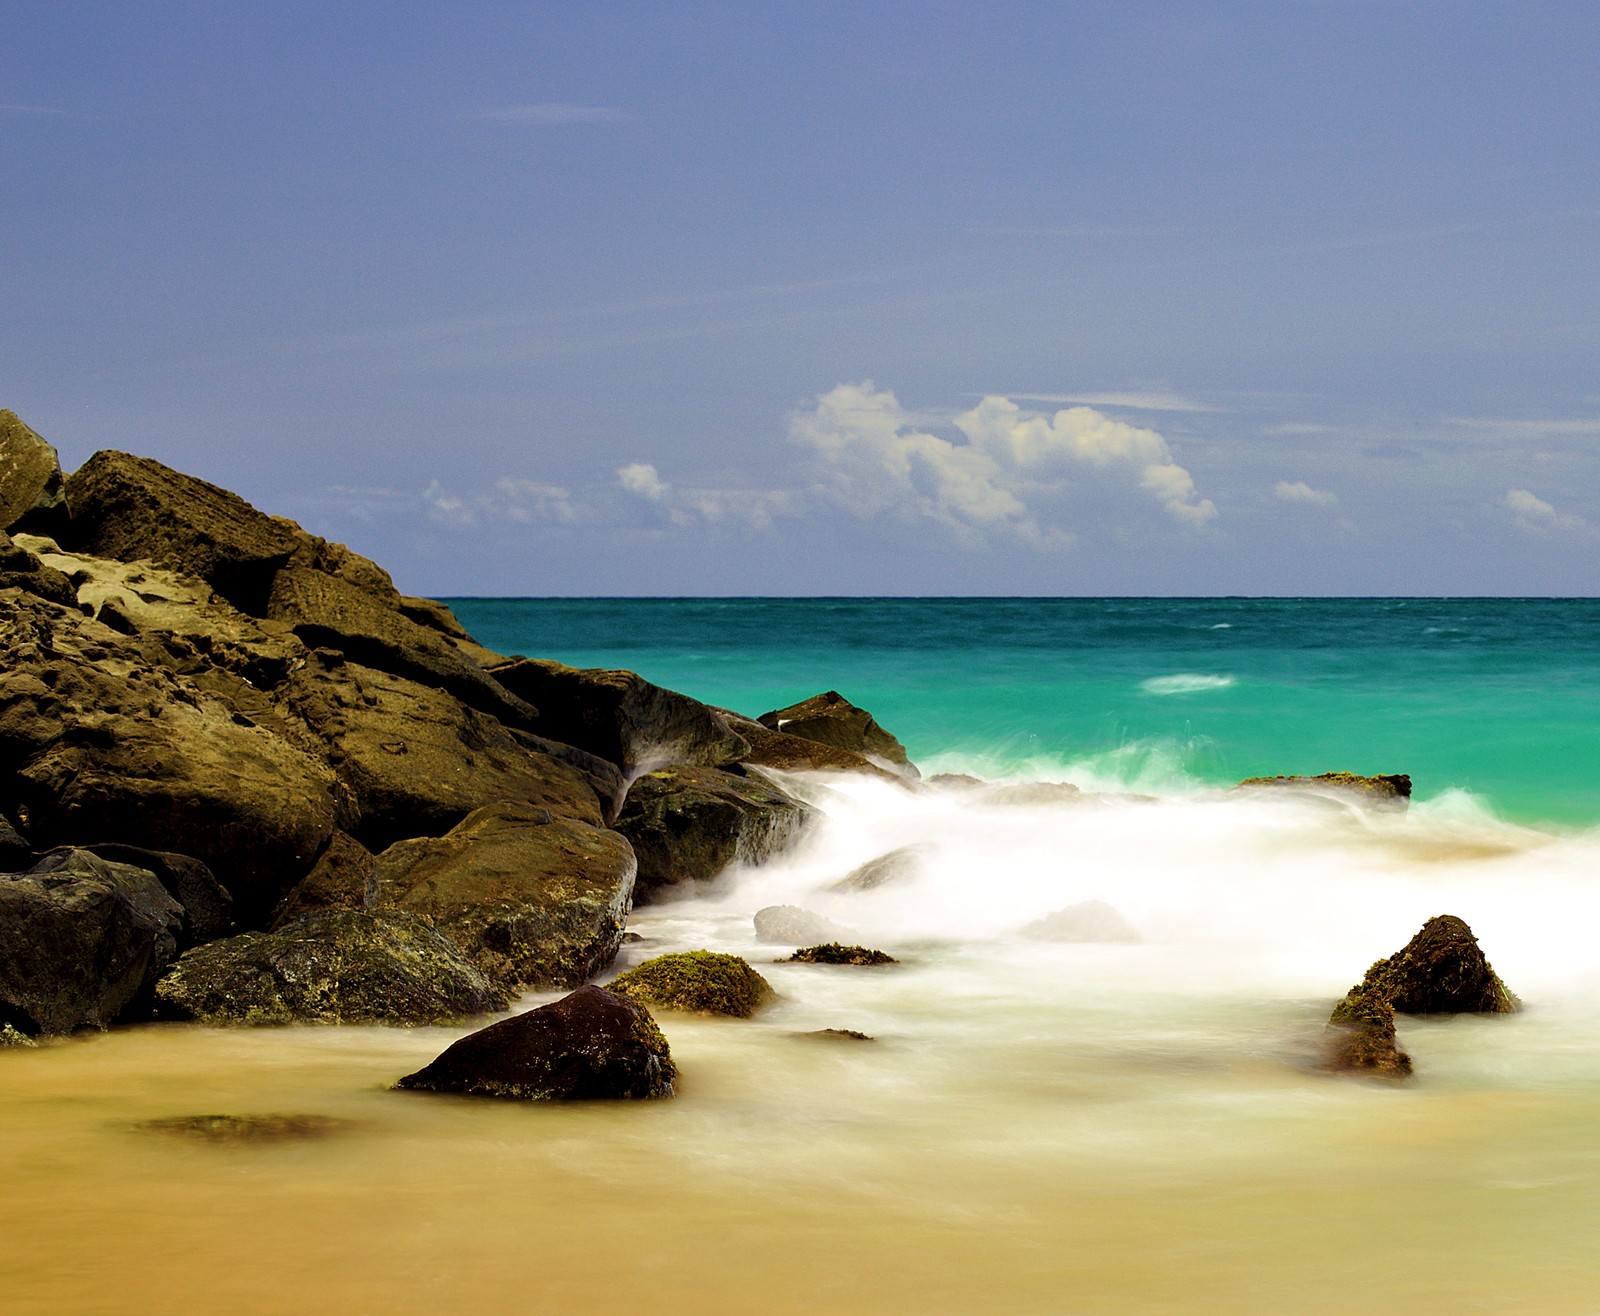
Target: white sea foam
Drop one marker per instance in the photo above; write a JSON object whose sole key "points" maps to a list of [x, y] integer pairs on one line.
{"points": [[1185, 683]]}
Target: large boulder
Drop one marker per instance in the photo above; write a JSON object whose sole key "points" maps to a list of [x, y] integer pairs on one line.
{"points": [[129, 508], [588, 1045], [416, 760], [207, 906], [82, 942], [532, 899], [342, 966], [831, 719], [697, 982], [368, 626], [30, 475], [620, 716], [98, 742], [790, 925], [687, 824], [1390, 791]]}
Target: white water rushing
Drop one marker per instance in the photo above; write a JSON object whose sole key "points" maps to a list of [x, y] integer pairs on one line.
{"points": [[1036, 1127]]}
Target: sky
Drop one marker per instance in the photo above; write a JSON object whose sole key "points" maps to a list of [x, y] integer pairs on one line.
{"points": [[686, 298]]}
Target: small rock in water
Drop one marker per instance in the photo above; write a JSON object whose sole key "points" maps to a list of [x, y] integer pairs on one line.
{"points": [[248, 1128], [838, 1035], [589, 1044], [1361, 1038], [1384, 791], [790, 925], [833, 953], [897, 866], [700, 981], [1087, 921]]}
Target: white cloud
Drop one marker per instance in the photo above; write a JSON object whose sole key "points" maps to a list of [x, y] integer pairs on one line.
{"points": [[643, 479], [1301, 492], [552, 113], [1138, 400], [525, 502], [1532, 512], [868, 456], [754, 509]]}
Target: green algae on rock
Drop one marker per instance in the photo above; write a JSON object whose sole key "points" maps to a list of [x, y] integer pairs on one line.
{"points": [[833, 953], [698, 982], [342, 966], [591, 1044], [1441, 970], [1361, 1038], [1391, 790]]}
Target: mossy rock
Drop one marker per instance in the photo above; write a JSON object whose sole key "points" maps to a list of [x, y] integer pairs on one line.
{"points": [[833, 953], [1361, 1038], [9, 1036], [1385, 790], [696, 981], [1441, 970]]}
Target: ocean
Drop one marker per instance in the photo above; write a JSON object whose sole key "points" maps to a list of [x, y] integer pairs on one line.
{"points": [[1033, 1126]]}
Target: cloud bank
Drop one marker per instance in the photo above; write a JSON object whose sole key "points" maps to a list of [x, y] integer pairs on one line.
{"points": [[1532, 512], [1301, 492]]}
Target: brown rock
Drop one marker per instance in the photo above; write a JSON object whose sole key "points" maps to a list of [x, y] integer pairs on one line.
{"points": [[530, 898], [831, 719], [342, 879], [30, 475]]}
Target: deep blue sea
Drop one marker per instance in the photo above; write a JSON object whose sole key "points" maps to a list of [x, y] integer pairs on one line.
{"points": [[1494, 699]]}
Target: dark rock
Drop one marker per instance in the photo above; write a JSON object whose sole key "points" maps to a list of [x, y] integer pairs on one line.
{"points": [[687, 824], [620, 716], [341, 966], [415, 760], [207, 906], [532, 899], [786, 753], [82, 941], [1391, 791], [697, 981], [831, 719], [839, 1035], [892, 869], [327, 611], [101, 741], [15, 853], [1361, 1038], [588, 1045], [20, 568], [242, 1129], [605, 778], [789, 925], [833, 953], [9, 1036], [30, 476], [342, 879], [127, 507], [1441, 970], [1087, 921]]}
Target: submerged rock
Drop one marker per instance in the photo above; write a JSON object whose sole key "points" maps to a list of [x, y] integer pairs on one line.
{"points": [[790, 925], [82, 942], [1441, 970], [697, 981], [838, 1035], [337, 967], [687, 824], [238, 1129], [1087, 921], [833, 953], [1361, 1038], [892, 869], [588, 1045], [1383, 791], [831, 719], [532, 899]]}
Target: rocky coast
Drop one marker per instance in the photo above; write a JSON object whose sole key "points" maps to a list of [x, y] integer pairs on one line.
{"points": [[244, 780]]}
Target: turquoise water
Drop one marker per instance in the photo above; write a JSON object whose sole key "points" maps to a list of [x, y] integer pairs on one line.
{"points": [[1495, 697]]}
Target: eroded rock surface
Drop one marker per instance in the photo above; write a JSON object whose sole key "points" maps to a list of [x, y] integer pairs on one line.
{"points": [[831, 719], [30, 475]]}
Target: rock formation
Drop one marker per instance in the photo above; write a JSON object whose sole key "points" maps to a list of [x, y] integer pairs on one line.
{"points": [[696, 981]]}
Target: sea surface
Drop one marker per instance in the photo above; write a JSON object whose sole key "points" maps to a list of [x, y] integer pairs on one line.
{"points": [[1035, 1126]]}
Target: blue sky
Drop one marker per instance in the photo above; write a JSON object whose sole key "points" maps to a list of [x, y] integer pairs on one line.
{"points": [[1191, 298]]}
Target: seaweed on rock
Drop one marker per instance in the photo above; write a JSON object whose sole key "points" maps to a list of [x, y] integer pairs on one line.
{"points": [[696, 981]]}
